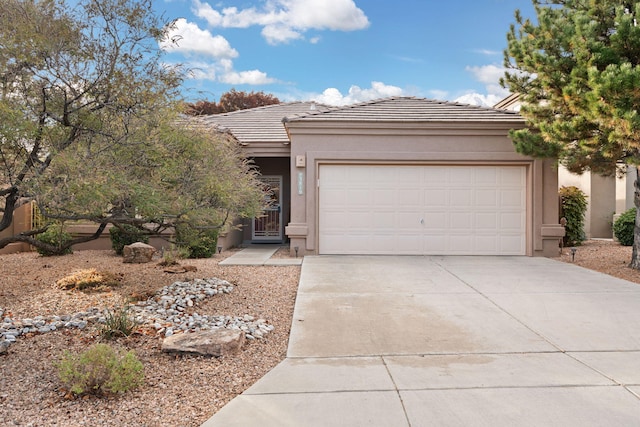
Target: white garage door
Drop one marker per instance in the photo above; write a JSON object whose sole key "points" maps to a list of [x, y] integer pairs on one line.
{"points": [[422, 210]]}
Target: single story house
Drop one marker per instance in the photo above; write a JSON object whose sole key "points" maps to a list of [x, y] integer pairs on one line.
{"points": [[401, 175], [607, 197]]}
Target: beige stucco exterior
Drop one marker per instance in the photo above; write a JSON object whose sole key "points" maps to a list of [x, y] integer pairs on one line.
{"points": [[314, 143]]}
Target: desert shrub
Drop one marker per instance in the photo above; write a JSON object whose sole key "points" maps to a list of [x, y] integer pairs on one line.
{"points": [[100, 369], [118, 323], [623, 227], [89, 279], [54, 236], [199, 243], [173, 255], [573, 207], [125, 235]]}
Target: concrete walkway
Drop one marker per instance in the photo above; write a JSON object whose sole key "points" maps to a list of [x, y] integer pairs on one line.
{"points": [[257, 254], [452, 341]]}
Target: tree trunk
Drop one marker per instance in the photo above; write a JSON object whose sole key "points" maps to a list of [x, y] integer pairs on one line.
{"points": [[635, 255]]}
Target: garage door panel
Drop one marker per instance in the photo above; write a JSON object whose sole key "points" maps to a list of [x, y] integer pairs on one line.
{"points": [[464, 210], [512, 176], [512, 221], [435, 221], [434, 197], [461, 198], [512, 198], [485, 244], [486, 222], [511, 245], [460, 176], [487, 177], [461, 221], [487, 198]]}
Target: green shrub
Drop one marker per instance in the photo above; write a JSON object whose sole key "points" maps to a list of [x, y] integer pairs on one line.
{"points": [[623, 227], [54, 236], [203, 247], [118, 323], [199, 243], [100, 369], [573, 208], [125, 235]]}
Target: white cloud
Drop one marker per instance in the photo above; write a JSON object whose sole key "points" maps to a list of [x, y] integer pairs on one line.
{"points": [[486, 73], [275, 34], [479, 99], [286, 20], [186, 37], [488, 52], [252, 77], [489, 75], [437, 94], [333, 96]]}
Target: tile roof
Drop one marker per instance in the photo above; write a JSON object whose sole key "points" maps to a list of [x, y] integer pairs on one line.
{"points": [[409, 110], [261, 124]]}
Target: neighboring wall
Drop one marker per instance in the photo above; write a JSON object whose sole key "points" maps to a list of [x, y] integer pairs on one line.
{"points": [[21, 222]]}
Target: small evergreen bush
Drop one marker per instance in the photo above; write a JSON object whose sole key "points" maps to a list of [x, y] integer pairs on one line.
{"points": [[623, 227], [54, 236], [573, 208], [100, 369], [126, 235]]}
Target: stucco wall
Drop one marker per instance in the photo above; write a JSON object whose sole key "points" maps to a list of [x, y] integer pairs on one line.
{"points": [[21, 222], [398, 144]]}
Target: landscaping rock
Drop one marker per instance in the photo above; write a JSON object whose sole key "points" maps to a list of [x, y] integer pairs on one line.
{"points": [[138, 253], [175, 269], [4, 347], [218, 342]]}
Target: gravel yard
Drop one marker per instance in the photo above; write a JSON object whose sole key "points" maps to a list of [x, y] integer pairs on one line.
{"points": [[178, 390]]}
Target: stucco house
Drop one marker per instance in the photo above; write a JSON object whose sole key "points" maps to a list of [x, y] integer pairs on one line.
{"points": [[401, 175], [607, 197]]}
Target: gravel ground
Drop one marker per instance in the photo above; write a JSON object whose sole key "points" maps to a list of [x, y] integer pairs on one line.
{"points": [[178, 390], [604, 256]]}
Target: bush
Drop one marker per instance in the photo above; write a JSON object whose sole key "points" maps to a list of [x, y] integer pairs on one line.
{"points": [[623, 227], [199, 243], [573, 208], [100, 369], [117, 323], [125, 235], [55, 236]]}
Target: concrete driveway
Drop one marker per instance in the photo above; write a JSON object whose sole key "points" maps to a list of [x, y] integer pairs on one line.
{"points": [[452, 341]]}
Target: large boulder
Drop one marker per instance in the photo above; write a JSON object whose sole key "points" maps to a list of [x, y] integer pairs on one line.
{"points": [[217, 342], [138, 253]]}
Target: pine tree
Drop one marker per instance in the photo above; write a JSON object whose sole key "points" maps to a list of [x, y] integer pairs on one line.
{"points": [[576, 71]]}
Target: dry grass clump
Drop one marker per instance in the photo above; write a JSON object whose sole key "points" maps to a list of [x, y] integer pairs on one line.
{"points": [[90, 279]]}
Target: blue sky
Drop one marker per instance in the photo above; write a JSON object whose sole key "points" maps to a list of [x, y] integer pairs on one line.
{"points": [[342, 51]]}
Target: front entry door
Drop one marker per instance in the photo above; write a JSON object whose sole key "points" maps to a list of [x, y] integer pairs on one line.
{"points": [[268, 226]]}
